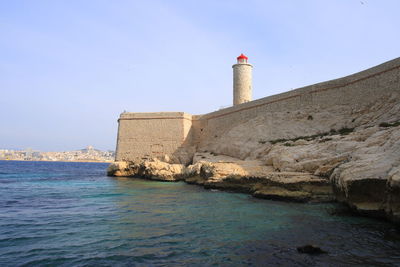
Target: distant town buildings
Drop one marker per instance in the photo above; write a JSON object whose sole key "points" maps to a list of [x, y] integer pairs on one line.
{"points": [[88, 154]]}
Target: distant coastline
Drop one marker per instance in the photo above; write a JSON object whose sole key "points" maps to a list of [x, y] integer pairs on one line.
{"points": [[88, 154], [82, 161], [47, 160]]}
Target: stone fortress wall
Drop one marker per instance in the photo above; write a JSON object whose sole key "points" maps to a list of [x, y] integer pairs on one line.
{"points": [[166, 133], [152, 134]]}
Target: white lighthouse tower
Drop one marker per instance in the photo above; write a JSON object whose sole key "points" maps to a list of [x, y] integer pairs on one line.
{"points": [[242, 90]]}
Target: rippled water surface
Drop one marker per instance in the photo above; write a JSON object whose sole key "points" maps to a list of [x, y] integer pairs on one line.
{"points": [[71, 214]]}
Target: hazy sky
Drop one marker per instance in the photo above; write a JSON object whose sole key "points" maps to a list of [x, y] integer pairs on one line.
{"points": [[69, 68]]}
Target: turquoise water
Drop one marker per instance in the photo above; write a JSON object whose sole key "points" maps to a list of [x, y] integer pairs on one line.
{"points": [[71, 214]]}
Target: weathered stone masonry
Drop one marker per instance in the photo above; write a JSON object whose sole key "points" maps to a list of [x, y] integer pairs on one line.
{"points": [[152, 134]]}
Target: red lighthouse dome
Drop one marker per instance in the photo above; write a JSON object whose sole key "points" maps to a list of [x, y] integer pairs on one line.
{"points": [[242, 58]]}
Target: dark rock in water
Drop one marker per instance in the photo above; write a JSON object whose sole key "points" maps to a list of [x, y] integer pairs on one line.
{"points": [[310, 249], [392, 235], [341, 211]]}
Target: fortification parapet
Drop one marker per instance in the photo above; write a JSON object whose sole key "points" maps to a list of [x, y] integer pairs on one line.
{"points": [[153, 135]]}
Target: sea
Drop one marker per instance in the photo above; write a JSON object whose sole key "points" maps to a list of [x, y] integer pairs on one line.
{"points": [[72, 214]]}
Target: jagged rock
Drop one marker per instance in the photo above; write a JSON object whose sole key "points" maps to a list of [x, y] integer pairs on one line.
{"points": [[152, 169], [392, 235], [368, 182], [120, 168]]}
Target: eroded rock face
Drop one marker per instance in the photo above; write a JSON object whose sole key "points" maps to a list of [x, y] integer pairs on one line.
{"points": [[362, 166], [368, 182], [152, 169], [120, 168]]}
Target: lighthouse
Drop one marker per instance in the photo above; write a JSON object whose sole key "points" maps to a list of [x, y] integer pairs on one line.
{"points": [[242, 90]]}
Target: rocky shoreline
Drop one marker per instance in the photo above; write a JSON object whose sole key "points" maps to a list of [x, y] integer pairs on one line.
{"points": [[359, 168], [237, 176]]}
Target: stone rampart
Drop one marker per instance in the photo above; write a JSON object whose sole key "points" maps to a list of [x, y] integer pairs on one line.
{"points": [[353, 91]]}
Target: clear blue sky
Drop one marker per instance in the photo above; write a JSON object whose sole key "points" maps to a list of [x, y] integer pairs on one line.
{"points": [[69, 68]]}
